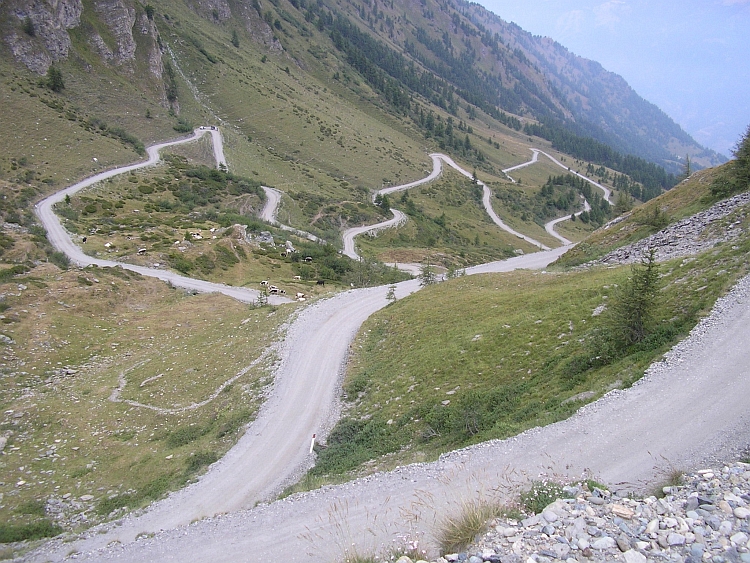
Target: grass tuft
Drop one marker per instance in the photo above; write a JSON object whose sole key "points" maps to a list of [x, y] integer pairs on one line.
{"points": [[673, 478], [458, 531]]}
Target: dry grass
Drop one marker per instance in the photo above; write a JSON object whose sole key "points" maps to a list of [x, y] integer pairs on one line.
{"points": [[457, 531], [120, 387]]}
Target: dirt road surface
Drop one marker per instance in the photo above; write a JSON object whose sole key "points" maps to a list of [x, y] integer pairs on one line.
{"points": [[682, 414], [60, 239], [685, 412]]}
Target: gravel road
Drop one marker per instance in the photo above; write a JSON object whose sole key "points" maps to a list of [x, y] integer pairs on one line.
{"points": [[689, 409], [60, 239], [399, 217]]}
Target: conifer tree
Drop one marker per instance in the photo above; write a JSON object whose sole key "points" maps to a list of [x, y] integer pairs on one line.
{"points": [[632, 309]]}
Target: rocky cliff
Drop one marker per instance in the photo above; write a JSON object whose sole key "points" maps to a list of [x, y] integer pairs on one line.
{"points": [[37, 31]]}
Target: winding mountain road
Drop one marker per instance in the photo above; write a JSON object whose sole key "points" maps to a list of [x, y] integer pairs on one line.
{"points": [[693, 408], [399, 218], [61, 240], [270, 210]]}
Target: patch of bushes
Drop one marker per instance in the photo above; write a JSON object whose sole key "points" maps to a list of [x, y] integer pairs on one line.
{"points": [[185, 434], [351, 443], [183, 125], [540, 495], [34, 531], [7, 274]]}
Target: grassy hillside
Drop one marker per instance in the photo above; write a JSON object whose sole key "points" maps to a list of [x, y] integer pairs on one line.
{"points": [[489, 356], [100, 366]]}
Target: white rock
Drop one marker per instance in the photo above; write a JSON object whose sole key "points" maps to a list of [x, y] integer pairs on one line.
{"points": [[604, 543], [740, 538], [622, 511], [675, 539], [742, 513], [632, 556], [642, 544]]}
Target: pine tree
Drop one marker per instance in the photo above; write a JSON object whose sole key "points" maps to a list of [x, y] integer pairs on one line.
{"points": [[54, 80], [427, 274], [631, 315], [742, 164], [28, 27]]}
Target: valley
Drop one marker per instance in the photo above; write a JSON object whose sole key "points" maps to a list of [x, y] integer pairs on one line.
{"points": [[404, 229]]}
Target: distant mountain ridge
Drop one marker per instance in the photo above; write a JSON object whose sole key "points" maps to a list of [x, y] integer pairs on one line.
{"points": [[602, 103], [451, 52]]}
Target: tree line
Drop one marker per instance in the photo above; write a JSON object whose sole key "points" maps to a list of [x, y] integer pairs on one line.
{"points": [[652, 177]]}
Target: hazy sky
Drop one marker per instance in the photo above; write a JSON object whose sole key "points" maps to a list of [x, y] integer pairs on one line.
{"points": [[689, 57]]}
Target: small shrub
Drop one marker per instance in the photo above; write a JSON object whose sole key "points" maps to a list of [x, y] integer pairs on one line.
{"points": [[183, 126], [180, 263], [540, 495], [357, 385], [60, 260], [34, 531], [198, 461]]}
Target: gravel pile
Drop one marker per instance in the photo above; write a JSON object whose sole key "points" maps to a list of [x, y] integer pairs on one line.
{"points": [[705, 520], [689, 236]]}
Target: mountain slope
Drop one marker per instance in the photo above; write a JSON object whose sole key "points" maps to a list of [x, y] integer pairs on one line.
{"points": [[602, 102], [456, 54]]}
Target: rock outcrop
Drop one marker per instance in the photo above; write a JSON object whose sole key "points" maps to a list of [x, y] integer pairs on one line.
{"points": [[37, 31], [119, 17], [722, 223]]}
